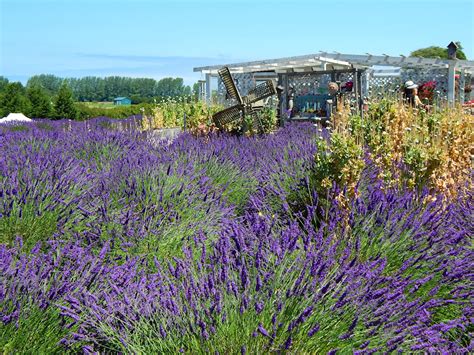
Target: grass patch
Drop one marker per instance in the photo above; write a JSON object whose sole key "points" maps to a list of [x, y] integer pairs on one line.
{"points": [[236, 184], [37, 332], [103, 155], [26, 222], [99, 104], [18, 128]]}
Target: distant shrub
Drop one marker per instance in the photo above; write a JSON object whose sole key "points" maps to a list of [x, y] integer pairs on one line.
{"points": [[18, 128], [86, 112], [44, 125], [172, 112]]}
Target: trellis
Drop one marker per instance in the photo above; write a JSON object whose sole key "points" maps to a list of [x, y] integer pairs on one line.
{"points": [[386, 86], [313, 72]]}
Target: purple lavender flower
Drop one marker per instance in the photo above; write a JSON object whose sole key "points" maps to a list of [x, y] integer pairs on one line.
{"points": [[263, 331], [109, 191]]}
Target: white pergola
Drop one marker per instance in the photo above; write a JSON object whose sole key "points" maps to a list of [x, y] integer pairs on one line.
{"points": [[324, 61]]}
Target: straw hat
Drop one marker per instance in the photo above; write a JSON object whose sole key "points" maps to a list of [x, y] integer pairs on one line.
{"points": [[410, 85]]}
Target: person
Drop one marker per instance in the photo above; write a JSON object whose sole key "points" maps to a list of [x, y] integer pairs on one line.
{"points": [[291, 102], [410, 94], [280, 90]]}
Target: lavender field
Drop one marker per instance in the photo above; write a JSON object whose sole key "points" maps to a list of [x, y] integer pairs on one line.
{"points": [[111, 242]]}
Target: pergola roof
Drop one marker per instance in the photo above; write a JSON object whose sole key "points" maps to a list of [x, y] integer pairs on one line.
{"points": [[324, 61]]}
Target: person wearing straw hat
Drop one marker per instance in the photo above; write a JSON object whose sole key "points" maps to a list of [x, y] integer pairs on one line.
{"points": [[410, 94]]}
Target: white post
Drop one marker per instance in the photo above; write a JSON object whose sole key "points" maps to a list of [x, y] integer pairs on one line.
{"points": [[208, 88], [202, 90], [462, 83], [451, 73], [365, 90]]}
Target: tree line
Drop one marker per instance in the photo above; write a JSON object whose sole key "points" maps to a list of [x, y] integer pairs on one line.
{"points": [[48, 96], [91, 88]]}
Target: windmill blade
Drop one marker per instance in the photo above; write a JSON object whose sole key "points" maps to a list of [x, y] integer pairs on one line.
{"points": [[260, 92], [253, 110], [228, 115], [229, 84], [254, 113]]}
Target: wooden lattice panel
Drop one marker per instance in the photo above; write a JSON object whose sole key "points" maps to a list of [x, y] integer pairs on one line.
{"points": [[308, 84], [384, 86], [244, 82]]}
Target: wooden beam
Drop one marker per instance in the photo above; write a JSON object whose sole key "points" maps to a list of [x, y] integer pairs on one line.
{"points": [[358, 74], [334, 61], [329, 71], [282, 100]]}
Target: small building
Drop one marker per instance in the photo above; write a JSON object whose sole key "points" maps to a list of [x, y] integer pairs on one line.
{"points": [[122, 101]]}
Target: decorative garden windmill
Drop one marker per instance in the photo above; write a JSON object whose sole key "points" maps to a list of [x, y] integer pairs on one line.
{"points": [[246, 105]]}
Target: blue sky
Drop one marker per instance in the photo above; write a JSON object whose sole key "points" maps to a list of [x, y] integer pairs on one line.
{"points": [[162, 38]]}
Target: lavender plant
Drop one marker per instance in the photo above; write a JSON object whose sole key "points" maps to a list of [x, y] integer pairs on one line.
{"points": [[192, 246]]}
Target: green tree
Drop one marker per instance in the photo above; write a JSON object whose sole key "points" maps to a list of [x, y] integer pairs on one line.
{"points": [[438, 52], [41, 106], [64, 105], [49, 82], [14, 99], [171, 87], [3, 83], [187, 90], [196, 90]]}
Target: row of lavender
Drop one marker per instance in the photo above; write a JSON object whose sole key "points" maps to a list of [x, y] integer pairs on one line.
{"points": [[112, 244]]}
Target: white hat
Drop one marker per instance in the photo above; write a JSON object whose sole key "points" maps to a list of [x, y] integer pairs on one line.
{"points": [[410, 85]]}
